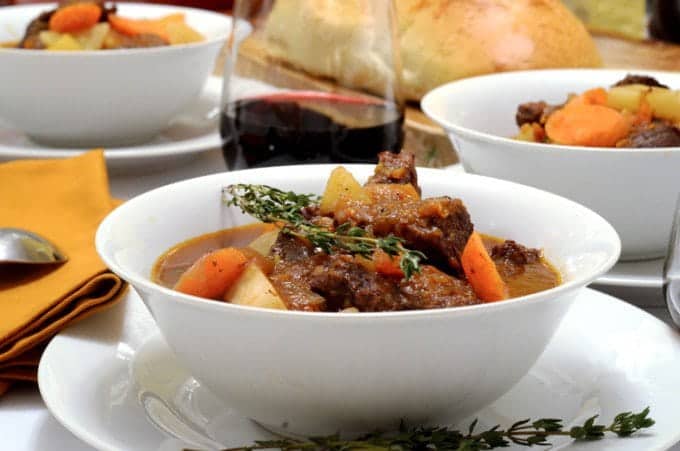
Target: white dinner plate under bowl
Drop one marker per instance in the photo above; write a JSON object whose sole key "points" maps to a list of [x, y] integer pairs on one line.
{"points": [[194, 130], [113, 382]]}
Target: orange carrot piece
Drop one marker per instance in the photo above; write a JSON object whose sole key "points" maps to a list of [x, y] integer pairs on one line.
{"points": [[134, 27], [75, 17], [596, 96], [213, 274], [387, 264], [581, 124], [481, 271]]}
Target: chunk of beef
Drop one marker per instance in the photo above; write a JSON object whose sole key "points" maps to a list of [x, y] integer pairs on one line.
{"points": [[291, 281], [344, 283], [514, 252], [290, 248], [656, 134], [439, 227], [530, 112], [538, 112], [511, 257], [395, 168], [431, 288], [31, 38], [632, 79]]}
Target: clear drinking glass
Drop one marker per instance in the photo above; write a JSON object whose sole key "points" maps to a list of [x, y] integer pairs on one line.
{"points": [[311, 81]]}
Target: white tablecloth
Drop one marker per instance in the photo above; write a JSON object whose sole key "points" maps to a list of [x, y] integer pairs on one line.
{"points": [[25, 423]]}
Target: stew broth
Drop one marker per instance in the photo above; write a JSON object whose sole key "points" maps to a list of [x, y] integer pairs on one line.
{"points": [[531, 278]]}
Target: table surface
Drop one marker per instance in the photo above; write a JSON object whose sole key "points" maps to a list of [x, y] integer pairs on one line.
{"points": [[25, 422]]}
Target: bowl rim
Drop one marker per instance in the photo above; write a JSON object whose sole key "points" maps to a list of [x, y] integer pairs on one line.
{"points": [[39, 7], [145, 283], [441, 93]]}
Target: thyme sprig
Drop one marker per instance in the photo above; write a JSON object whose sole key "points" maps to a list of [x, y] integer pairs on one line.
{"points": [[276, 206], [524, 433]]}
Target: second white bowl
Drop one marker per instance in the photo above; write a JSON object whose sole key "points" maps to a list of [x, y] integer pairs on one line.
{"points": [[634, 189], [101, 98]]}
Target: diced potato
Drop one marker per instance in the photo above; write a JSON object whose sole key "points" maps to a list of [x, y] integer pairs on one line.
{"points": [[626, 97], [665, 103], [93, 38], [112, 40], [263, 243], [181, 33], [253, 288], [526, 133], [49, 37], [64, 43], [341, 184]]}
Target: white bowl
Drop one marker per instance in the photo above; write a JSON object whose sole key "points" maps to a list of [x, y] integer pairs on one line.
{"points": [[634, 189], [103, 98], [318, 373]]}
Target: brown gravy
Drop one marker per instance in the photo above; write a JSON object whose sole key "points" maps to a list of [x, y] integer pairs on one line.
{"points": [[534, 277]]}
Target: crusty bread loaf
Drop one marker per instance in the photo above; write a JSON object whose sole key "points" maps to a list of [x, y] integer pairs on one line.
{"points": [[340, 39], [440, 40]]}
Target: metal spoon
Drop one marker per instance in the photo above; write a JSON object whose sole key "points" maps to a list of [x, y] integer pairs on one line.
{"points": [[22, 246], [671, 270]]}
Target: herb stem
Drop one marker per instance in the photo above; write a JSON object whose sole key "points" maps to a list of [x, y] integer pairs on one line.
{"points": [[523, 433], [275, 206]]}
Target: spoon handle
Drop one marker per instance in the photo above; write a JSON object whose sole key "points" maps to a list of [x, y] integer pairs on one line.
{"points": [[671, 270]]}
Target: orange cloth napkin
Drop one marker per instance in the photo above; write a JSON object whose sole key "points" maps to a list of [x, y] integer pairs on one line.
{"points": [[64, 201]]}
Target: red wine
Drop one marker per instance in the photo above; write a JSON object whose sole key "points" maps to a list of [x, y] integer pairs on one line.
{"points": [[308, 127]]}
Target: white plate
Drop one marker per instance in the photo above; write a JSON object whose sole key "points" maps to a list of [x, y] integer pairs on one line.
{"points": [[108, 378], [644, 276], [195, 130]]}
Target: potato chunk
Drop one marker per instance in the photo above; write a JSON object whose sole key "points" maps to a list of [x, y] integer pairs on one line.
{"points": [[626, 97], [263, 243], [253, 288], [665, 103], [93, 38], [341, 185]]}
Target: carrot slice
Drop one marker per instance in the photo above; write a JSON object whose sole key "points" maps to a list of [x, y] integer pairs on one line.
{"points": [[582, 124], [596, 96], [387, 264], [75, 17], [481, 271], [213, 274], [134, 27]]}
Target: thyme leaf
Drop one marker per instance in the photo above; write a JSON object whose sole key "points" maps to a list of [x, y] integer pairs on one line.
{"points": [[274, 205], [523, 432]]}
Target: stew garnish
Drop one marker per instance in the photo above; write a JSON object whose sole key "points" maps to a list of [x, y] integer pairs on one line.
{"points": [[285, 208], [524, 433]]}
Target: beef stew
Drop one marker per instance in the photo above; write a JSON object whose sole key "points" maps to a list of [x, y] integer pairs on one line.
{"points": [[434, 257]]}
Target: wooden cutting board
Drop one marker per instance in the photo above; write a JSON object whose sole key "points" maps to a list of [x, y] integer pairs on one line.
{"points": [[425, 138]]}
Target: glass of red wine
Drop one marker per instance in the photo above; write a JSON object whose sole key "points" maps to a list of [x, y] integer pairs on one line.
{"points": [[309, 81]]}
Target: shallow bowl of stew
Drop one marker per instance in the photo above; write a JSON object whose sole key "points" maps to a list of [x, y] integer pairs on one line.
{"points": [[633, 188], [96, 98], [316, 372]]}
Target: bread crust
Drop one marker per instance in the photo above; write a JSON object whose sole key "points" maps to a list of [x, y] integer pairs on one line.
{"points": [[439, 40]]}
